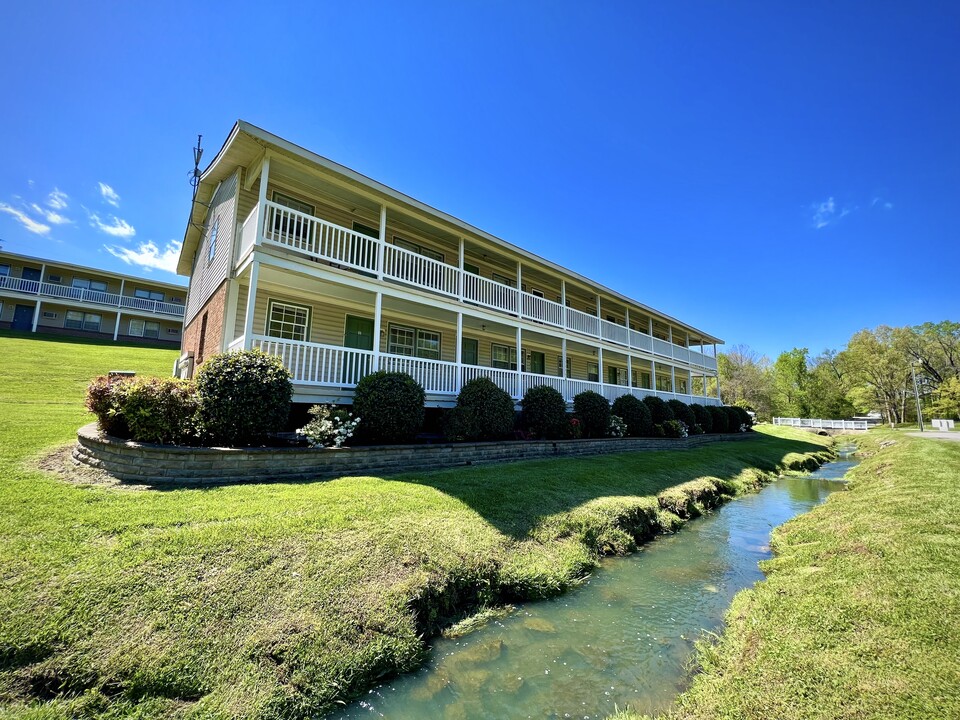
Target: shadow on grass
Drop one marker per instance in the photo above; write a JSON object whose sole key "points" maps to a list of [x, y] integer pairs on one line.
{"points": [[516, 497]]}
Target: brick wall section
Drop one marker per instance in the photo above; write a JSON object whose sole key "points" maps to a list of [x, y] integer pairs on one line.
{"points": [[215, 309], [158, 464]]}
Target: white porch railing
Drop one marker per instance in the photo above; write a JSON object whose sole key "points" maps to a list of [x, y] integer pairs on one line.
{"points": [[823, 424], [96, 297], [329, 365], [332, 243], [489, 293]]}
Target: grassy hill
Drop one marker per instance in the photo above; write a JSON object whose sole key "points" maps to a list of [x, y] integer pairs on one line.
{"points": [[277, 600]]}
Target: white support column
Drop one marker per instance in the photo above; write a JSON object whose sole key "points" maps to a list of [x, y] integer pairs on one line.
{"points": [[626, 320], [519, 359], [262, 211], [673, 380], [36, 316], [651, 325], [116, 327], [653, 375], [600, 367], [599, 318], [230, 316], [563, 361], [670, 334], [460, 337], [460, 277], [519, 290], [689, 382], [563, 302], [377, 315], [382, 242], [43, 270], [630, 371], [251, 300]]}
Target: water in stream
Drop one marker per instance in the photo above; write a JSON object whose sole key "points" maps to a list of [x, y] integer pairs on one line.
{"points": [[621, 640]]}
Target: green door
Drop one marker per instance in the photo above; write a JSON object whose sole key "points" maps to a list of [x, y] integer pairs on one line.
{"points": [[469, 352], [358, 335], [537, 364]]}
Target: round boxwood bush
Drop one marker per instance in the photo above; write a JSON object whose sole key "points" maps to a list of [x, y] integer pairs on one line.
{"points": [[719, 417], [242, 397], [733, 418], [674, 429], [161, 410], [484, 411], [390, 407], [544, 413], [593, 410], [745, 418], [635, 414], [704, 418], [682, 412], [660, 412]]}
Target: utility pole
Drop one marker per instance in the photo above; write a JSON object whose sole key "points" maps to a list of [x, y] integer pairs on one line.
{"points": [[916, 394]]}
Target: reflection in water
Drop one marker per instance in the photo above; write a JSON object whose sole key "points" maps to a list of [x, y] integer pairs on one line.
{"points": [[620, 640]]}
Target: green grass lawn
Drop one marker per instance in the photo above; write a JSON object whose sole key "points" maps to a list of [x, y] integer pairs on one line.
{"points": [[860, 615], [278, 600]]}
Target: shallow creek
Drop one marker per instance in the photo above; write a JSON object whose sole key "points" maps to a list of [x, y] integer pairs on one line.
{"points": [[622, 640]]}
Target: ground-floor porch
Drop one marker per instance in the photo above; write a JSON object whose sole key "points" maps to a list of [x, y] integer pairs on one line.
{"points": [[331, 334]]}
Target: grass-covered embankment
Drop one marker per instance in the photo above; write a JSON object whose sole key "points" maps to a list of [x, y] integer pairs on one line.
{"points": [[860, 614], [277, 600]]}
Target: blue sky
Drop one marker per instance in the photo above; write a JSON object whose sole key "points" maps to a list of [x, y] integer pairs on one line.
{"points": [[778, 174]]}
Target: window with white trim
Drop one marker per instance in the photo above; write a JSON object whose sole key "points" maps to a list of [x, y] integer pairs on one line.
{"points": [[145, 294], [4, 269], [285, 224], [413, 342], [288, 321], [88, 284], [418, 249], [504, 280], [76, 320], [593, 372], [212, 242], [144, 328], [503, 357]]}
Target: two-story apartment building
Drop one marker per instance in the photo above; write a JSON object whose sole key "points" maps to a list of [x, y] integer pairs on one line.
{"points": [[340, 275], [49, 296]]}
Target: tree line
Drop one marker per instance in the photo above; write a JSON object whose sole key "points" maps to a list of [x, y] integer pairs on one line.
{"points": [[875, 372]]}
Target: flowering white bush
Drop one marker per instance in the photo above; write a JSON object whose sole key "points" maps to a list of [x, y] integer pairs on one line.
{"points": [[616, 427], [329, 427]]}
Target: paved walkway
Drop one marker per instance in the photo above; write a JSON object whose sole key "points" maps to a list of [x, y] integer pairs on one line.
{"points": [[955, 436]]}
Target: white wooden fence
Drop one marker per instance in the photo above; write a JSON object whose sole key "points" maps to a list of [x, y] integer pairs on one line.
{"points": [[823, 424]]}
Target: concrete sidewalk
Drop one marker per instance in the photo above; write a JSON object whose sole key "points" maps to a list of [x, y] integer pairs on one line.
{"points": [[938, 435]]}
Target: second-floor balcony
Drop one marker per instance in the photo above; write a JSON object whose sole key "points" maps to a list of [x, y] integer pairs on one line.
{"points": [[319, 239], [83, 295]]}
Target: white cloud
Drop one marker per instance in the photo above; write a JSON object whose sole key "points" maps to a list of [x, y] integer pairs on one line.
{"points": [[117, 228], [31, 225], [109, 194], [57, 199], [826, 213], [149, 256], [54, 218], [888, 205]]}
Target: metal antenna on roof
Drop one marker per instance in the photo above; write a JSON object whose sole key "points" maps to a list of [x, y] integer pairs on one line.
{"points": [[195, 175]]}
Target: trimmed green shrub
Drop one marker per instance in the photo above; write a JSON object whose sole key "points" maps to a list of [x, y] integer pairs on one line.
{"points": [[593, 410], [733, 418], [745, 419], [161, 410], [103, 400], [389, 406], [719, 417], [657, 431], [544, 413], [682, 412], [674, 429], [660, 412], [484, 411], [243, 397], [635, 414], [704, 418]]}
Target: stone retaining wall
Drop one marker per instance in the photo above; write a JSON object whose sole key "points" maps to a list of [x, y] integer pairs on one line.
{"points": [[166, 464]]}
